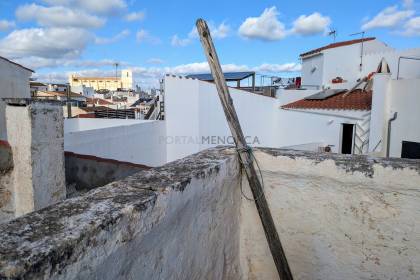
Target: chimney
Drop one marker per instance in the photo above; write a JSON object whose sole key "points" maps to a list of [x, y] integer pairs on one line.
{"points": [[36, 140]]}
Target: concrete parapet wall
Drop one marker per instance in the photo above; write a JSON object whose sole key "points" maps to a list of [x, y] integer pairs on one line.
{"points": [[134, 141], [89, 172], [35, 142], [180, 221], [338, 217]]}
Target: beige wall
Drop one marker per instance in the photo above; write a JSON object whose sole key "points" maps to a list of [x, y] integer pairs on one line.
{"points": [[338, 217], [111, 83]]}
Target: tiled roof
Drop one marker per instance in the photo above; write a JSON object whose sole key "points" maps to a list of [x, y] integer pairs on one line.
{"points": [[42, 93], [356, 100], [58, 93], [337, 45], [98, 101]]}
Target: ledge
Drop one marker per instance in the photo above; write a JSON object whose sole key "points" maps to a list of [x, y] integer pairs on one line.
{"points": [[29, 101], [349, 163], [45, 242]]}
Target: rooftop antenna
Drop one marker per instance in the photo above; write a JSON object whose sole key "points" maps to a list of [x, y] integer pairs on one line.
{"points": [[116, 69], [362, 49], [333, 33]]}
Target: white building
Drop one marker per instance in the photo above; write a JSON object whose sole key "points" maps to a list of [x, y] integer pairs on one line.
{"points": [[37, 86], [14, 83], [84, 90], [104, 83], [308, 118], [361, 118]]}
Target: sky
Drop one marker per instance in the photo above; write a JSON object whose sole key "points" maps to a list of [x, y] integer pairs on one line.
{"points": [[87, 37]]}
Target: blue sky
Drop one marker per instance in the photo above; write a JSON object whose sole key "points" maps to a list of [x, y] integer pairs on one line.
{"points": [[57, 37]]}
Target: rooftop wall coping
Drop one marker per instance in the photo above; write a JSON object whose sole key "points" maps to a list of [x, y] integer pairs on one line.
{"points": [[349, 163], [29, 101], [46, 241]]}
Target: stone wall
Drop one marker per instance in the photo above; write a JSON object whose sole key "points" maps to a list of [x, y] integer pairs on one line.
{"points": [[338, 217], [89, 172], [180, 221], [6, 191]]}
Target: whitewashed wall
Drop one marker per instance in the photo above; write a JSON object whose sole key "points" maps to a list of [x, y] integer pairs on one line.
{"points": [[14, 82], [344, 62], [193, 112], [286, 96], [405, 100], [309, 77], [380, 114], [140, 142], [319, 127]]}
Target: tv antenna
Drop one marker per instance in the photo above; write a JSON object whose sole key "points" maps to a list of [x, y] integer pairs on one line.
{"points": [[116, 64], [362, 48], [333, 33]]}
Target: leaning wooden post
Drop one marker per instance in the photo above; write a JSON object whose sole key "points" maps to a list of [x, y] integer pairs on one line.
{"points": [[244, 153]]}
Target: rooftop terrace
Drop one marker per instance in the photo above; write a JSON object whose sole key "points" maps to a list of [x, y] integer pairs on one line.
{"points": [[339, 217]]}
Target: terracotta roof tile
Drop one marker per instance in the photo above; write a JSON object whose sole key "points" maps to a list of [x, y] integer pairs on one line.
{"points": [[337, 45], [98, 101], [357, 100]]}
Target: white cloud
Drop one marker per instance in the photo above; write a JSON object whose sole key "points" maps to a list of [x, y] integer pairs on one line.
{"points": [[412, 27], [310, 25], [155, 61], [135, 16], [180, 42], [45, 43], [40, 62], [278, 68], [103, 41], [266, 27], [105, 7], [58, 16], [143, 36], [408, 3], [220, 31], [6, 25], [388, 18]]}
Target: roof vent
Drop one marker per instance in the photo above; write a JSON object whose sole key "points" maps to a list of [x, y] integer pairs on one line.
{"points": [[383, 67]]}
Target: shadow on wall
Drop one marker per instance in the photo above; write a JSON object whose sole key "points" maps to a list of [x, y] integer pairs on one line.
{"points": [[84, 172]]}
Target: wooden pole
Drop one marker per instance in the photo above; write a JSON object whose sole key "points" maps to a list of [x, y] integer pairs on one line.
{"points": [[69, 115], [245, 155]]}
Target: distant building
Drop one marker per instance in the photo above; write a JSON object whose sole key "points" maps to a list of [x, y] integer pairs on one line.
{"points": [[104, 83], [57, 87], [37, 86], [14, 82], [84, 90]]}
